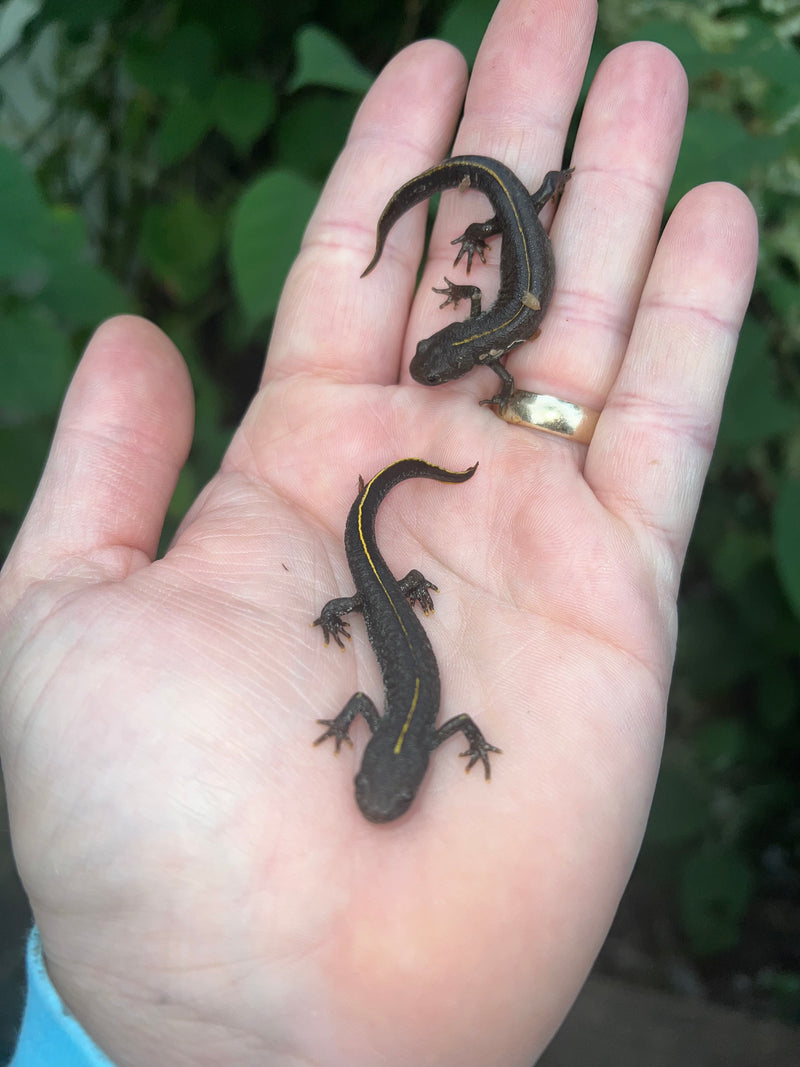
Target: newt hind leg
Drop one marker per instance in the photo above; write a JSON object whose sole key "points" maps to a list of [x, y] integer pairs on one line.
{"points": [[479, 747], [331, 621], [415, 586], [339, 728], [551, 188]]}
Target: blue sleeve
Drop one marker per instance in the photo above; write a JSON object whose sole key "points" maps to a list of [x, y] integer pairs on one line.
{"points": [[50, 1036]]}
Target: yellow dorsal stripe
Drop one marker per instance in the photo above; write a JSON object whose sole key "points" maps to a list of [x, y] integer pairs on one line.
{"points": [[413, 707], [509, 198], [398, 746]]}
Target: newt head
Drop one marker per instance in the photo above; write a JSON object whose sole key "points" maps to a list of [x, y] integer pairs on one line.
{"points": [[438, 359], [390, 776]]}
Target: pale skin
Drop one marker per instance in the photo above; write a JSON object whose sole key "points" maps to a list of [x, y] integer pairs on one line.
{"points": [[206, 889]]}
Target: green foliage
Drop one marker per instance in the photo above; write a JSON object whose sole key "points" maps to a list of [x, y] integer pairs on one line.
{"points": [[180, 240], [35, 364], [268, 223], [786, 517], [715, 889], [242, 108], [322, 60], [680, 811], [311, 130], [727, 795], [165, 158], [50, 293], [171, 170], [756, 410], [464, 25]]}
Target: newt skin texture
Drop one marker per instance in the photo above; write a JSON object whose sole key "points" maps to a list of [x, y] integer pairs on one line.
{"points": [[397, 755]]}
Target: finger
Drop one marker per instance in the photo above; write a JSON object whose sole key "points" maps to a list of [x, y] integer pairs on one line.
{"points": [[521, 97], [649, 456], [331, 322], [122, 437], [607, 227], [525, 84]]}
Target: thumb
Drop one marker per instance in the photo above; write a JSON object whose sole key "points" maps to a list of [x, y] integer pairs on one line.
{"points": [[123, 435]]}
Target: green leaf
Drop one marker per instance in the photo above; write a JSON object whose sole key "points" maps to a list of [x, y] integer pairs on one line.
{"points": [[35, 364], [185, 63], [268, 225], [464, 25], [766, 625], [786, 239], [715, 889], [781, 291], [774, 60], [179, 242], [23, 450], [718, 148], [680, 810], [720, 743], [66, 236], [43, 251], [754, 410], [778, 697], [786, 538], [710, 652], [734, 56], [323, 60], [83, 16], [185, 124], [190, 56], [312, 130], [242, 109], [735, 553], [24, 219], [80, 293]]}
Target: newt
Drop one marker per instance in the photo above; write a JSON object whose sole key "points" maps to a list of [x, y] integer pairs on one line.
{"points": [[403, 738], [527, 269]]}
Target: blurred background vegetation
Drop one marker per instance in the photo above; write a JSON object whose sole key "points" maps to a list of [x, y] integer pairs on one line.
{"points": [[164, 158]]}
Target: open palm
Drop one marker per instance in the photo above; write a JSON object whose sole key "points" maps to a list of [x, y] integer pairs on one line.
{"points": [[206, 890]]}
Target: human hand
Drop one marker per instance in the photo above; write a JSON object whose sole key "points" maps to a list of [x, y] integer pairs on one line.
{"points": [[205, 887]]}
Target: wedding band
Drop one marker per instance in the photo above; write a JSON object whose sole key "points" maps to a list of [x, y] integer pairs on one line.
{"points": [[550, 414]]}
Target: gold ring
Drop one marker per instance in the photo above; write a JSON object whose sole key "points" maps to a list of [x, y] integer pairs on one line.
{"points": [[550, 414]]}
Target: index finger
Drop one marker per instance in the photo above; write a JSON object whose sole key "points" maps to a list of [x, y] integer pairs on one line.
{"points": [[329, 322]]}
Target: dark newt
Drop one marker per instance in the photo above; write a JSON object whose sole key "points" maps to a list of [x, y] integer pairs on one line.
{"points": [[397, 754], [527, 268]]}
